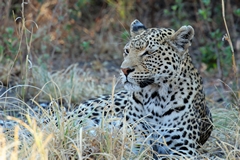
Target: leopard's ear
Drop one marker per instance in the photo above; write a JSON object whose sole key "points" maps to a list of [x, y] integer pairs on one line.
{"points": [[182, 39], [136, 28]]}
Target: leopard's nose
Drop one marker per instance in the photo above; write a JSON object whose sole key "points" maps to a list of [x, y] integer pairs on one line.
{"points": [[126, 71]]}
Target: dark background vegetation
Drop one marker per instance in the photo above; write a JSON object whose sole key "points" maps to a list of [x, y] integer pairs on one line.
{"points": [[56, 33]]}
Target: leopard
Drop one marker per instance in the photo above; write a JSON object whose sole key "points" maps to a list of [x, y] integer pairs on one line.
{"points": [[163, 100]]}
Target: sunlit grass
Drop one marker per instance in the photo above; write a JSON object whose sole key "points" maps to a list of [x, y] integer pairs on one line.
{"points": [[34, 139]]}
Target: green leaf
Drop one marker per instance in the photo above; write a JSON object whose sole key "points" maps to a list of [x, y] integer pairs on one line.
{"points": [[206, 2], [10, 30], [203, 13], [237, 12], [174, 7]]}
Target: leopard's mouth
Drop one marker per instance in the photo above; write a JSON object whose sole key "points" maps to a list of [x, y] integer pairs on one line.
{"points": [[128, 85], [146, 82], [131, 83]]}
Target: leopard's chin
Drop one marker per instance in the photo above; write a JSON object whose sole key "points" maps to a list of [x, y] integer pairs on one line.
{"points": [[132, 87]]}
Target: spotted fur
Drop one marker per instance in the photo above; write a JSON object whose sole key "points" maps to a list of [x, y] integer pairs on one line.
{"points": [[164, 100]]}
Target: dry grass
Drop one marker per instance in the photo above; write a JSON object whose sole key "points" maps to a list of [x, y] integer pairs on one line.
{"points": [[72, 84], [71, 141], [34, 139], [224, 140]]}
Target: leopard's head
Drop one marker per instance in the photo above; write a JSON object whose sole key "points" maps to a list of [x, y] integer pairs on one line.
{"points": [[153, 55]]}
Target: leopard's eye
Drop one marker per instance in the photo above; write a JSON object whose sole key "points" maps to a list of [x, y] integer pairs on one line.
{"points": [[145, 53], [126, 51]]}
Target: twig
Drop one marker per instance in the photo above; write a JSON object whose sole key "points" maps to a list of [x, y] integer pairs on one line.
{"points": [[228, 39]]}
